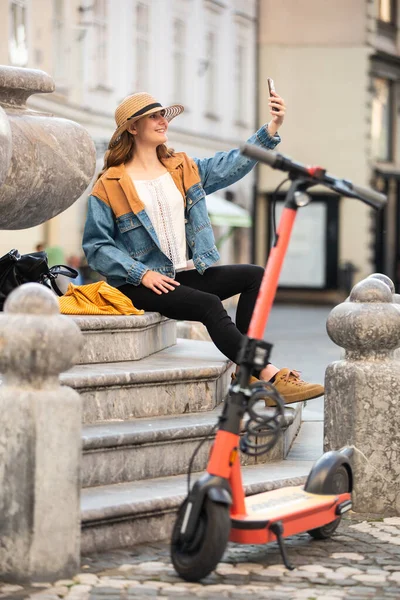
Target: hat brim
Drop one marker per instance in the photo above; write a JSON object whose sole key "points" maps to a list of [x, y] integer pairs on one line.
{"points": [[170, 113]]}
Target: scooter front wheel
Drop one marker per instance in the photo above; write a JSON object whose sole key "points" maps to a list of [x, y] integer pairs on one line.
{"points": [[195, 559]]}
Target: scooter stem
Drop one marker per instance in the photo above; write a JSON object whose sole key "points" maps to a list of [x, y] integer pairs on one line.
{"points": [[270, 279]]}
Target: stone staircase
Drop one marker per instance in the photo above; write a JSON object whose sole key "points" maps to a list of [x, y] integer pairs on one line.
{"points": [[148, 400]]}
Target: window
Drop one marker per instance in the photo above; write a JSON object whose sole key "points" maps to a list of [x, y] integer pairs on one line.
{"points": [[210, 83], [240, 88], [142, 47], [381, 122], [58, 32], [387, 11], [179, 41], [100, 31], [18, 47]]}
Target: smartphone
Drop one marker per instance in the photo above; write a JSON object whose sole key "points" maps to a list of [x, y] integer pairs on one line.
{"points": [[271, 87]]}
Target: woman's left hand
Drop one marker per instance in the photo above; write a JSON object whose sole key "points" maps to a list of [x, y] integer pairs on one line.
{"points": [[278, 109]]}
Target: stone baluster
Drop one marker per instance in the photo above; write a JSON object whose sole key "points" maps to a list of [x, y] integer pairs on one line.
{"points": [[5, 146], [46, 162], [40, 439], [362, 393]]}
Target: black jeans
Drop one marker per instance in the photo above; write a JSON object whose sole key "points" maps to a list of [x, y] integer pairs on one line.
{"points": [[198, 298]]}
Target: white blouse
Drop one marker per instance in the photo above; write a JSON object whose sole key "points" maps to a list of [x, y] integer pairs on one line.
{"points": [[164, 205]]}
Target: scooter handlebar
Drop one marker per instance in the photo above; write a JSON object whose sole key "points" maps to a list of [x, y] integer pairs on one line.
{"points": [[341, 186], [268, 157], [369, 196], [276, 160]]}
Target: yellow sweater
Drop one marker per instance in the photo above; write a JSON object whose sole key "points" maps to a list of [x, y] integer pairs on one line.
{"points": [[96, 299]]}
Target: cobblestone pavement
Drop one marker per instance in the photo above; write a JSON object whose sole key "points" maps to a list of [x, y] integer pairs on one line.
{"points": [[362, 561]]}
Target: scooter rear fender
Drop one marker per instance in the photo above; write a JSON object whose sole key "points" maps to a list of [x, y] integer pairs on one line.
{"points": [[318, 477], [211, 486]]}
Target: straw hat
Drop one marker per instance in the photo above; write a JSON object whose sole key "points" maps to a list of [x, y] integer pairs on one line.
{"points": [[134, 107]]}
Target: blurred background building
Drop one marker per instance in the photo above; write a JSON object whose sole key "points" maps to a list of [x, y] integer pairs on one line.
{"points": [[336, 63], [201, 53]]}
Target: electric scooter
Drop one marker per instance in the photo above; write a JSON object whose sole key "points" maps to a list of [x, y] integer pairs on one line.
{"points": [[216, 510]]}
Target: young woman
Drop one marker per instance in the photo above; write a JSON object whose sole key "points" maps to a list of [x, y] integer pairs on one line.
{"points": [[149, 233]]}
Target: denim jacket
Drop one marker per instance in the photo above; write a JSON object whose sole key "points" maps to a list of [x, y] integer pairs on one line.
{"points": [[119, 239]]}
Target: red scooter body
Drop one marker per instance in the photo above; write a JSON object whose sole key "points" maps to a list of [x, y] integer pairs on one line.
{"points": [[216, 509], [295, 508]]}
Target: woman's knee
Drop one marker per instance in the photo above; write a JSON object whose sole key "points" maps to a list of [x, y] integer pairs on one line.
{"points": [[256, 273], [212, 306]]}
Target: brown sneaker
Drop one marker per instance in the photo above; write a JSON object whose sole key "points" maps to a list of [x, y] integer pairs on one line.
{"points": [[293, 389], [252, 379]]}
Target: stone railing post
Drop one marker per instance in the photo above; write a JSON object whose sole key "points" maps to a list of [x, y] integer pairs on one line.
{"points": [[362, 393], [40, 439]]}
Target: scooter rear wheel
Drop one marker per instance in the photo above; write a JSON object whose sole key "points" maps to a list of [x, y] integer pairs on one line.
{"points": [[195, 559], [338, 483]]}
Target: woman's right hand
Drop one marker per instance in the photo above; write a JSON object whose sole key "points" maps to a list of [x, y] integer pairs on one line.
{"points": [[159, 283]]}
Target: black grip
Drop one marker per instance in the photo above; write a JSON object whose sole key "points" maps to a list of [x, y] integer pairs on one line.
{"points": [[371, 197], [256, 153]]}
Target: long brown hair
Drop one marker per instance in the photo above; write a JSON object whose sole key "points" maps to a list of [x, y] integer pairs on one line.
{"points": [[122, 152]]}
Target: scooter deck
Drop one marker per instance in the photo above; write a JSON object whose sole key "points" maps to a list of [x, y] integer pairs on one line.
{"points": [[297, 509]]}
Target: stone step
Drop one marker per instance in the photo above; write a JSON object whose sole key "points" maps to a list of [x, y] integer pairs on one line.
{"points": [[115, 452], [125, 514], [122, 338], [191, 376]]}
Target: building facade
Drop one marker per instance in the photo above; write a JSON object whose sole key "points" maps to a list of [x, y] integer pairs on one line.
{"points": [[337, 64], [200, 53]]}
